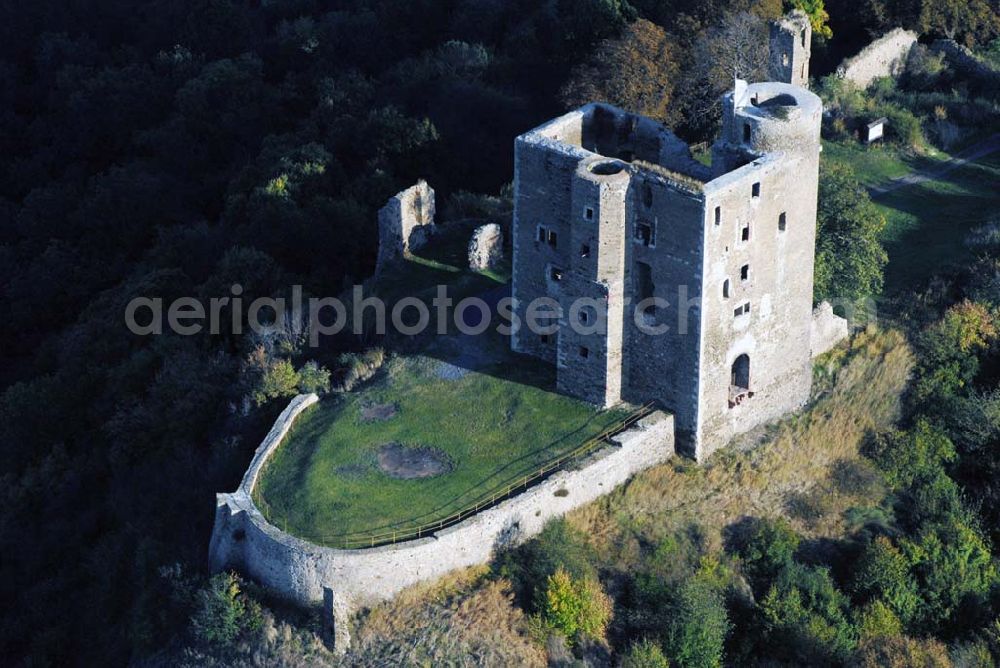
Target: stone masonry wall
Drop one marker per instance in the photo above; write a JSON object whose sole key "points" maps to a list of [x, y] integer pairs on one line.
{"points": [[967, 63], [405, 223], [885, 57], [828, 329], [345, 580]]}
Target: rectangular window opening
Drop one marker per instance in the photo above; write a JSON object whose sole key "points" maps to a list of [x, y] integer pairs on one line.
{"points": [[584, 352], [745, 233], [742, 309], [718, 215], [588, 213], [755, 191], [746, 132], [645, 234], [543, 234], [552, 238], [725, 289], [744, 272], [546, 338], [782, 221], [585, 251]]}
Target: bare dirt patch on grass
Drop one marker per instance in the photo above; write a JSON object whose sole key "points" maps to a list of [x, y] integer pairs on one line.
{"points": [[379, 412], [398, 461]]}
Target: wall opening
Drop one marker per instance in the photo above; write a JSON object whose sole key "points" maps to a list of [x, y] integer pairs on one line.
{"points": [[745, 272], [552, 238], [585, 251], [755, 190], [725, 289], [746, 132], [784, 60], [645, 233], [556, 274], [644, 287], [588, 213], [546, 338], [543, 234], [782, 221], [584, 352], [647, 195], [745, 233], [803, 38], [740, 376], [718, 215], [742, 309]]}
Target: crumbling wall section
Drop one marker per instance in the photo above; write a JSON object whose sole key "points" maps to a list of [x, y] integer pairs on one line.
{"points": [[405, 223], [828, 329], [968, 64], [885, 57]]}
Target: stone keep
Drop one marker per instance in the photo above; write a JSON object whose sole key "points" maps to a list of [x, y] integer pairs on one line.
{"points": [[611, 211], [405, 223], [790, 49], [486, 247]]}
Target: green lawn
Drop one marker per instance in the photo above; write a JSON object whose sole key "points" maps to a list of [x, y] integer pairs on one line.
{"points": [[494, 415], [927, 222], [495, 425]]}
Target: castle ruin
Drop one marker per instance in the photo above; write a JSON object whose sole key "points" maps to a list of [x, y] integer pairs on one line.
{"points": [[686, 284]]}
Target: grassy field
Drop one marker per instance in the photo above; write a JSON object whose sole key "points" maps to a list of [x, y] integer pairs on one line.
{"points": [[927, 222]]}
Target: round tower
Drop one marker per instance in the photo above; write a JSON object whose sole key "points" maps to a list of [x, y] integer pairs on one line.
{"points": [[766, 117]]}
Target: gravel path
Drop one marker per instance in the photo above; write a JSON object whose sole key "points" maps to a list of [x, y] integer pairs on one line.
{"points": [[960, 159]]}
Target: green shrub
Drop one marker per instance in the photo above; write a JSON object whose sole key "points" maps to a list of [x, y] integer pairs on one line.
{"points": [[882, 576], [645, 654], [223, 611], [805, 617], [698, 625], [314, 378], [766, 547], [576, 607], [876, 620]]}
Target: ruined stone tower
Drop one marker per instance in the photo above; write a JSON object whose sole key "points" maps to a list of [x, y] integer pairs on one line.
{"points": [[611, 212], [790, 49]]}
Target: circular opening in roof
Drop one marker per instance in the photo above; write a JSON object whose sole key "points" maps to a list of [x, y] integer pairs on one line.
{"points": [[607, 167], [781, 100]]}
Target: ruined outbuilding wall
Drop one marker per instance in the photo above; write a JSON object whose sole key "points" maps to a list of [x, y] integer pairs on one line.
{"points": [[828, 329], [790, 49], [885, 57], [405, 223], [345, 580], [968, 64]]}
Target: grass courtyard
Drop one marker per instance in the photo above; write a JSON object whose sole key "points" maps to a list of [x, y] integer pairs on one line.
{"points": [[487, 427], [462, 417]]}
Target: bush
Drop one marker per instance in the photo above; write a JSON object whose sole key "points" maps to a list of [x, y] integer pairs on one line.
{"points": [[359, 367], [645, 654], [223, 611], [876, 620], [314, 378], [882, 576], [576, 608], [765, 547], [698, 626], [530, 565], [805, 617], [269, 377], [901, 652]]}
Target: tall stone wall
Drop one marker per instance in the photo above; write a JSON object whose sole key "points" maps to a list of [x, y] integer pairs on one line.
{"points": [[405, 223], [345, 580], [790, 49], [885, 57]]}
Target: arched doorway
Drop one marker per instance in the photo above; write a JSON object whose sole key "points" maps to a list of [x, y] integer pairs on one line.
{"points": [[740, 377]]}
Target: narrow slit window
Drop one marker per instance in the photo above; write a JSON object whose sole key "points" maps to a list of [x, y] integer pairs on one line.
{"points": [[725, 289], [584, 352], [718, 215], [746, 132], [543, 235], [546, 338], [745, 272], [782, 221], [552, 238], [588, 213], [755, 190], [584, 317], [647, 195], [585, 251], [745, 233]]}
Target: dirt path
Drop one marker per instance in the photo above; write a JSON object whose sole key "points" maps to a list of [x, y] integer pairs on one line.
{"points": [[960, 159]]}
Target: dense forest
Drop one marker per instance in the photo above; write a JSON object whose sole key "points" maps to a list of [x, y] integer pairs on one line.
{"points": [[178, 147]]}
